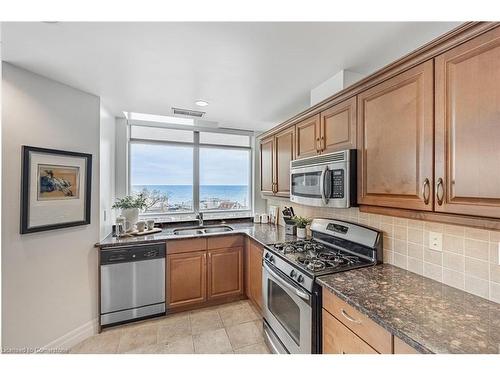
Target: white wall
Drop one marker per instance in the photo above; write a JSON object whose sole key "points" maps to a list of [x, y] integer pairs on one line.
{"points": [[338, 82], [121, 165], [49, 279], [106, 171]]}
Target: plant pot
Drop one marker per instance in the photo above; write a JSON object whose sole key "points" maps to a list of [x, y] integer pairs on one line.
{"points": [[301, 232], [132, 215]]}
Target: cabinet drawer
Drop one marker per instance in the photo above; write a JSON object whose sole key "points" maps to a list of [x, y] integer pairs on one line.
{"points": [[225, 241], [186, 245], [376, 336], [338, 339]]}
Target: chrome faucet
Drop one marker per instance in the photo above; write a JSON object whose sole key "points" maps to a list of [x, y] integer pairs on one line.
{"points": [[199, 216]]}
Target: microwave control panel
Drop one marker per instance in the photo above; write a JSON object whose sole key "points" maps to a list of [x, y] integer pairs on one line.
{"points": [[338, 183]]}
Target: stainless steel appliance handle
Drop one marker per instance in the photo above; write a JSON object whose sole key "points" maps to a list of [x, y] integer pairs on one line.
{"points": [[322, 185], [274, 348], [284, 284]]}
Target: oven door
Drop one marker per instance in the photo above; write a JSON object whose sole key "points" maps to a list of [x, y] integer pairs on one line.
{"points": [[287, 311], [310, 185]]}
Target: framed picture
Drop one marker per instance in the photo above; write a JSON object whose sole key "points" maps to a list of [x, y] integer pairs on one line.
{"points": [[55, 189]]}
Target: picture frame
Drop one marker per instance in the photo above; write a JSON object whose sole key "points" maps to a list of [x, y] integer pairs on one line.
{"points": [[56, 188]]}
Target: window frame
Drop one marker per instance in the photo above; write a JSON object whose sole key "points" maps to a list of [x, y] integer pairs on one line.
{"points": [[196, 164]]}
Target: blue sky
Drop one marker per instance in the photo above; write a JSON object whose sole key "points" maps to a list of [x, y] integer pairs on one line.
{"points": [[169, 165]]}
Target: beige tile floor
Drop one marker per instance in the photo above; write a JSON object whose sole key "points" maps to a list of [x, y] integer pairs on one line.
{"points": [[225, 329]]}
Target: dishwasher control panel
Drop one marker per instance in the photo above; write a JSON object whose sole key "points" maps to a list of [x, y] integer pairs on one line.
{"points": [[132, 253]]}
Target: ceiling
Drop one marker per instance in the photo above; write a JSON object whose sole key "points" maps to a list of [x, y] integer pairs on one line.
{"points": [[254, 75]]}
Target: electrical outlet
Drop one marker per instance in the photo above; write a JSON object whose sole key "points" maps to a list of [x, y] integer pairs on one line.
{"points": [[436, 241]]}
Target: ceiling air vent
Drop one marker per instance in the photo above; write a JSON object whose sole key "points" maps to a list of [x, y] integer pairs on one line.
{"points": [[187, 112]]}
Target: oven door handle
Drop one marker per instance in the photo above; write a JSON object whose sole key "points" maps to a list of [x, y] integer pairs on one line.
{"points": [[322, 185], [303, 295]]}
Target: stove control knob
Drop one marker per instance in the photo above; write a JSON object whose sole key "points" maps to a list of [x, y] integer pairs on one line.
{"points": [[293, 273], [300, 278], [271, 259], [266, 256]]}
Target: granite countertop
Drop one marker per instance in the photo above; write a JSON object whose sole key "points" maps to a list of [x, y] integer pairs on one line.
{"points": [[428, 315], [265, 234]]}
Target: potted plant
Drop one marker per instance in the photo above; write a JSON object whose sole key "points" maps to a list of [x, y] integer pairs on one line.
{"points": [[130, 206], [301, 223]]}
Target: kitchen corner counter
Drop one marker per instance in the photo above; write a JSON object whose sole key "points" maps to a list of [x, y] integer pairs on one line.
{"points": [[265, 234], [428, 315]]}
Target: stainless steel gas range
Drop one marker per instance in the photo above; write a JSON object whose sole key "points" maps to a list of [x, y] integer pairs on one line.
{"points": [[292, 300]]}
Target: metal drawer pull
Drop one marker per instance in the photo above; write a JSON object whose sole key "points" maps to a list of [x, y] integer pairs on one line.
{"points": [[439, 187], [426, 191], [348, 317]]}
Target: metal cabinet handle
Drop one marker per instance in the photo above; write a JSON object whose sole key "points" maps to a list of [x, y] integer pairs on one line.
{"points": [[348, 317], [440, 187], [324, 144], [426, 190]]}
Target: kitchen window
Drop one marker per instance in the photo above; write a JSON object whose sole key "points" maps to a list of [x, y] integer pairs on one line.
{"points": [[184, 171]]}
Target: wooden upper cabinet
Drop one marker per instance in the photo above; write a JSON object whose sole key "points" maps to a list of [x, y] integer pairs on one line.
{"points": [[307, 134], [267, 165], [395, 139], [225, 272], [284, 143], [467, 151], [338, 127], [186, 279]]}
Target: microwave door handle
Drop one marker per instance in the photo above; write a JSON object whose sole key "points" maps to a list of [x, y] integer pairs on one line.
{"points": [[322, 185]]}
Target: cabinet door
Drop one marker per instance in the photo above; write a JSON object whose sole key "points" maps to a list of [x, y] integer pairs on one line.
{"points": [[338, 127], [338, 339], [254, 269], [284, 142], [395, 138], [266, 166], [307, 137], [467, 174], [225, 272], [186, 279]]}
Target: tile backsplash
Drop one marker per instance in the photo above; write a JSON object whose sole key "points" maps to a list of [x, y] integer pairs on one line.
{"points": [[469, 256]]}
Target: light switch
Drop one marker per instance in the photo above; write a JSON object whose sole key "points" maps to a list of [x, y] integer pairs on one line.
{"points": [[436, 241]]}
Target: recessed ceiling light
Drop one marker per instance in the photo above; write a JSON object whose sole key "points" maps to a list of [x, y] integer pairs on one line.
{"points": [[201, 103]]}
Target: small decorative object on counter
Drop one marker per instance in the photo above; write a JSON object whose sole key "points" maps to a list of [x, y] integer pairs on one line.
{"points": [[264, 219], [141, 226], [122, 226], [130, 206], [273, 214], [290, 227], [301, 223], [256, 218], [151, 224]]}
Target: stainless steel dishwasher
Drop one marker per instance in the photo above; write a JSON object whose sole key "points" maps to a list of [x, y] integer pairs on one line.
{"points": [[132, 283]]}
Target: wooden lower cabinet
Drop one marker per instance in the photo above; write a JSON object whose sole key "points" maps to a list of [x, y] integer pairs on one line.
{"points": [[338, 339], [345, 330], [400, 347], [253, 272], [186, 279], [225, 272]]}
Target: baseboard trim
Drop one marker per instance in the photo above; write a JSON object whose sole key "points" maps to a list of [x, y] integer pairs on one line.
{"points": [[70, 339]]}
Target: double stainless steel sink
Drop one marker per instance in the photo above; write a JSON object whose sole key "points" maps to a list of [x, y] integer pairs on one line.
{"points": [[193, 231]]}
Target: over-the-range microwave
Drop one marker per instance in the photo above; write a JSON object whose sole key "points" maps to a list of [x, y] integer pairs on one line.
{"points": [[327, 180]]}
